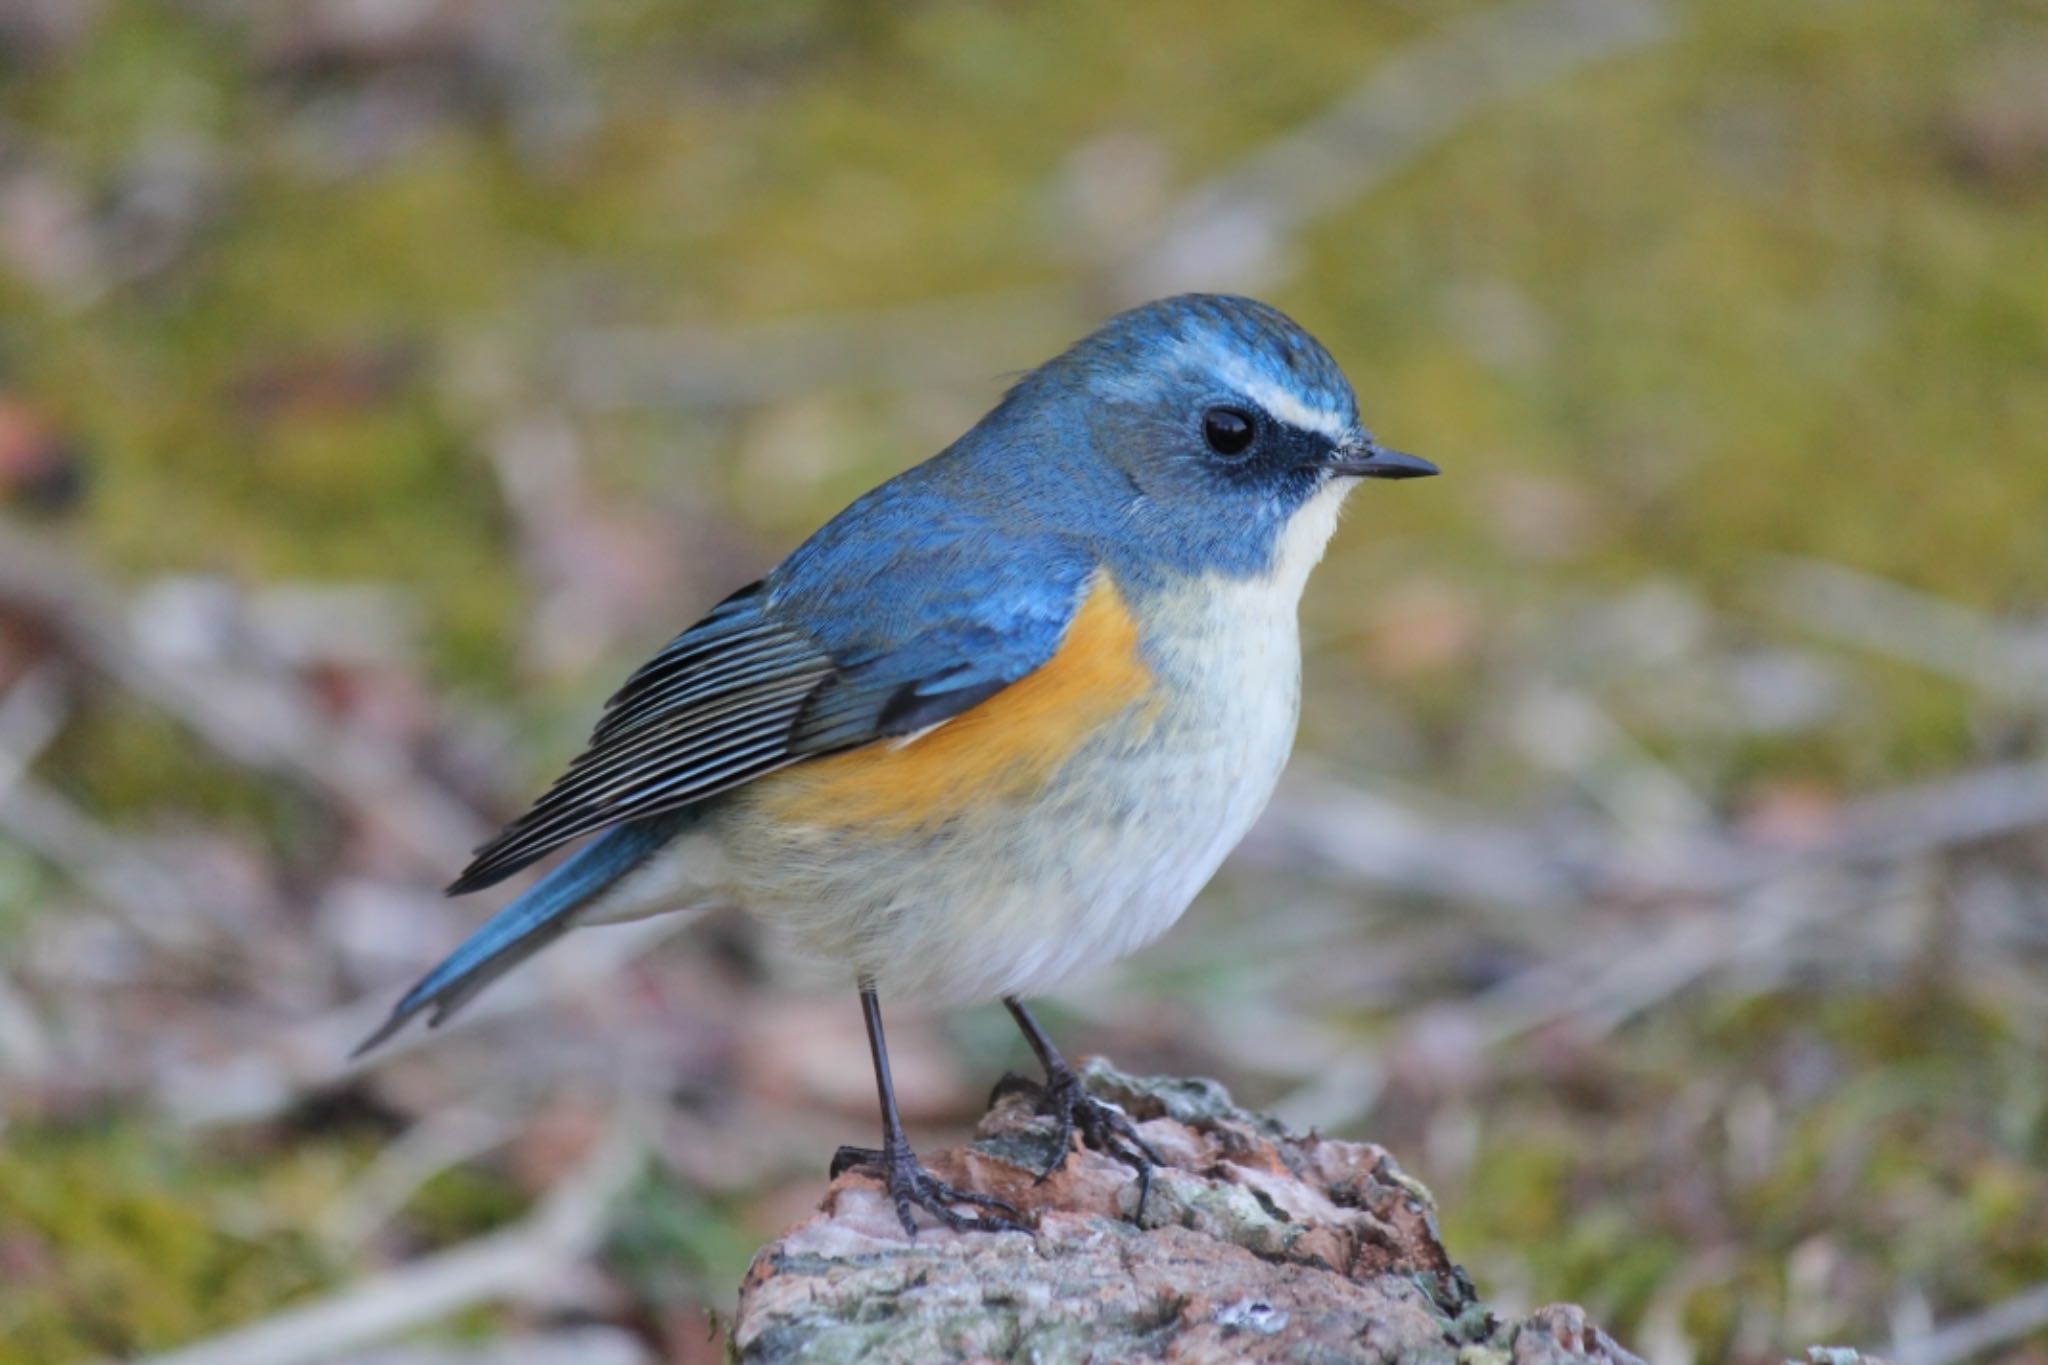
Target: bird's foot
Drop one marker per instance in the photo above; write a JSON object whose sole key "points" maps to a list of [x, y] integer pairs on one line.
{"points": [[1102, 1126], [911, 1186]]}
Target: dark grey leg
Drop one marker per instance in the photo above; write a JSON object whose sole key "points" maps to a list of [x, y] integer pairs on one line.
{"points": [[909, 1184], [1061, 1096]]}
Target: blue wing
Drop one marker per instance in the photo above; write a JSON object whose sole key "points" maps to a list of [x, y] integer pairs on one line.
{"points": [[902, 612]]}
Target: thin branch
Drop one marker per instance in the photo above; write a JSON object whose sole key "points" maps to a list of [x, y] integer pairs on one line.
{"points": [[262, 719], [25, 1051], [1379, 839], [147, 897], [1945, 637], [1630, 979], [269, 1078], [442, 1139], [520, 1260], [587, 1345], [1977, 1335]]}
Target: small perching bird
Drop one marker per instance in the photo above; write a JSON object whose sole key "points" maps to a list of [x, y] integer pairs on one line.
{"points": [[998, 721]]}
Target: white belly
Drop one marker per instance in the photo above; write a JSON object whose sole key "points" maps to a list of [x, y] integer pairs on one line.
{"points": [[1100, 862]]}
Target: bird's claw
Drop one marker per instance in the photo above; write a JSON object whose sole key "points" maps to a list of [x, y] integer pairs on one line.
{"points": [[911, 1186], [1102, 1126]]}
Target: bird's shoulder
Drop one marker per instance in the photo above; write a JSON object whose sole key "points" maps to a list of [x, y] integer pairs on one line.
{"points": [[923, 557], [1091, 681]]}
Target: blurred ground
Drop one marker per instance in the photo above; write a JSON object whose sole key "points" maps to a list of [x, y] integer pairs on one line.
{"points": [[1662, 872]]}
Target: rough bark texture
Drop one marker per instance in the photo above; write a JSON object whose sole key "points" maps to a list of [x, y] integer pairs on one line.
{"points": [[1257, 1245]]}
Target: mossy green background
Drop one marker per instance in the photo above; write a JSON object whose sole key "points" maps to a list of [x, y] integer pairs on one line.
{"points": [[1755, 291]]}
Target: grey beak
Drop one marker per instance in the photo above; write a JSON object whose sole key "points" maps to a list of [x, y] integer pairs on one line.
{"points": [[1375, 463]]}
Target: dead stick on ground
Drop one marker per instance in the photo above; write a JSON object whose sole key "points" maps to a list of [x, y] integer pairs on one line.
{"points": [[520, 1260], [264, 720], [1375, 839], [316, 1053], [1977, 1335], [2000, 659], [146, 897]]}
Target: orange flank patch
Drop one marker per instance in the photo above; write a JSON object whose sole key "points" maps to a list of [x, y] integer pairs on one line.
{"points": [[1005, 748]]}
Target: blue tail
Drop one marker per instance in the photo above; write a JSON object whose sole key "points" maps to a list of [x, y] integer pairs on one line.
{"points": [[530, 923]]}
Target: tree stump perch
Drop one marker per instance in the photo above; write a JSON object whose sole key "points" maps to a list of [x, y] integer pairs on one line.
{"points": [[1257, 1245]]}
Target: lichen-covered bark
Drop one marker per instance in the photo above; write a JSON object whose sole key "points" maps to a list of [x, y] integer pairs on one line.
{"points": [[1257, 1245]]}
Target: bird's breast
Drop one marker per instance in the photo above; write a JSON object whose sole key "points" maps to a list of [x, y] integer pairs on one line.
{"points": [[1062, 823]]}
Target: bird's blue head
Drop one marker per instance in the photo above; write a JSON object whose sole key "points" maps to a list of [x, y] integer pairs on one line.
{"points": [[1226, 435]]}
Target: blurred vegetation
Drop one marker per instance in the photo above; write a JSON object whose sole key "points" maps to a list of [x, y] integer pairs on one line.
{"points": [[1775, 287], [119, 1242]]}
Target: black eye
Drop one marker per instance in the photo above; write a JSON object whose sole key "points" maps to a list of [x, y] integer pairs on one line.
{"points": [[1228, 430]]}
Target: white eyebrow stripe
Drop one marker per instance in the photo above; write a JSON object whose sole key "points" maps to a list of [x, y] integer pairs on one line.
{"points": [[1286, 407], [1282, 405]]}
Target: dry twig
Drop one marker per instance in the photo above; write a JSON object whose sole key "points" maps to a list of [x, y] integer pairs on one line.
{"points": [[520, 1260], [1976, 1336], [1934, 633], [266, 1080], [263, 719]]}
